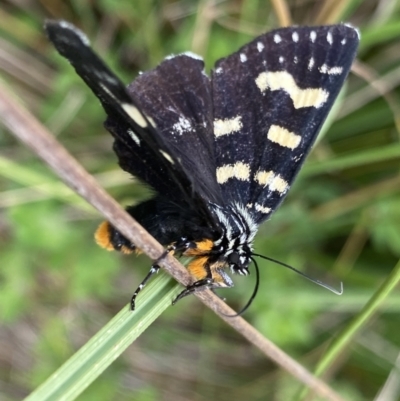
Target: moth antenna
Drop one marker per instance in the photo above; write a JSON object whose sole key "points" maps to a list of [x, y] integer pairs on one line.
{"points": [[313, 280]]}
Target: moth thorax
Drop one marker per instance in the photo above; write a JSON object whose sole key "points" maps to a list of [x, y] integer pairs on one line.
{"points": [[235, 244]]}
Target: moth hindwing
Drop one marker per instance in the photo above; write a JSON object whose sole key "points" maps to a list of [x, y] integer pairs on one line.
{"points": [[220, 152]]}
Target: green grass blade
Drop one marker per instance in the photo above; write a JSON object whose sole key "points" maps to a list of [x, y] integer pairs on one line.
{"points": [[102, 349], [345, 338], [361, 158], [360, 320], [29, 177]]}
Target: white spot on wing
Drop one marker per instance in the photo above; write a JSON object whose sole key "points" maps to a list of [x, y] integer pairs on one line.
{"points": [[277, 38], [324, 69], [281, 59], [243, 57], [343, 41], [134, 113], [260, 46], [239, 170], [313, 36], [262, 209], [295, 36], [311, 63], [151, 121], [167, 156], [274, 182], [227, 126], [135, 138], [295, 59], [283, 137], [308, 97], [329, 38], [218, 70], [183, 125]]}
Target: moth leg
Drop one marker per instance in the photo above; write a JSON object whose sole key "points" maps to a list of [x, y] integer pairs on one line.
{"points": [[186, 247], [197, 286], [153, 270], [209, 275]]}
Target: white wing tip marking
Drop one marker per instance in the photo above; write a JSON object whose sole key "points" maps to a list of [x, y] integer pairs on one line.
{"points": [[192, 55], [188, 54], [356, 30], [67, 25]]}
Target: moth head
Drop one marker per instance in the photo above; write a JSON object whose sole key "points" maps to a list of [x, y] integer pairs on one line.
{"points": [[239, 260]]}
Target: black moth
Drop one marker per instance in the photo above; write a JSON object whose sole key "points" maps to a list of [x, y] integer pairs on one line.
{"points": [[220, 152]]}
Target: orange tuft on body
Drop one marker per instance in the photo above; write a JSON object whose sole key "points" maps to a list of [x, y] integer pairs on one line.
{"points": [[126, 250], [202, 247], [197, 267], [102, 236], [138, 251]]}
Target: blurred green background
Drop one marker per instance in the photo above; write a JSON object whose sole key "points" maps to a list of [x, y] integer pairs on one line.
{"points": [[340, 222]]}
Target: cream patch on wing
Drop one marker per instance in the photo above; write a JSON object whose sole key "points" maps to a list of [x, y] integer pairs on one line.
{"points": [[282, 80]]}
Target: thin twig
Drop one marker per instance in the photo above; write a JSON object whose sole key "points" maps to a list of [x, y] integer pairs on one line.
{"points": [[282, 12], [331, 11], [23, 125]]}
